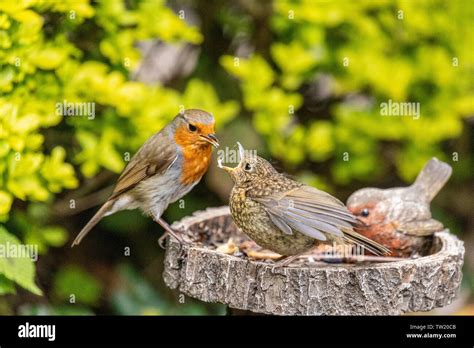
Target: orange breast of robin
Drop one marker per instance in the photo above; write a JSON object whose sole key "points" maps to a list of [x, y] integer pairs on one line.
{"points": [[195, 163], [196, 156]]}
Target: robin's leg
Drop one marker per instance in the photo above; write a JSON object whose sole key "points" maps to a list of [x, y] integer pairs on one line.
{"points": [[169, 230]]}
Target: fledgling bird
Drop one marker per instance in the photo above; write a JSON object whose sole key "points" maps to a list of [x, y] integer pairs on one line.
{"points": [[286, 216], [400, 218], [164, 169]]}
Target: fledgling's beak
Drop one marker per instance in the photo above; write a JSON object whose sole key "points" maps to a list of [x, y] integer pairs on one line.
{"points": [[241, 151], [211, 139], [227, 169], [230, 170]]}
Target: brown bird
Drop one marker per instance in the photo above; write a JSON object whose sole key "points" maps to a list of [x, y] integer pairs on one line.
{"points": [[400, 218], [163, 170], [286, 216]]}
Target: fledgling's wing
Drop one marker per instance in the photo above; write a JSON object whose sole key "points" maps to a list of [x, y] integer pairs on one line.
{"points": [[154, 157], [309, 211], [316, 214]]}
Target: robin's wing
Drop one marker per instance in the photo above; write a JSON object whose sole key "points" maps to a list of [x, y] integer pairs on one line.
{"points": [[154, 157], [309, 211]]}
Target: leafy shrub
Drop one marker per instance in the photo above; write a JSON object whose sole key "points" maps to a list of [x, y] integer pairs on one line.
{"points": [[45, 61], [376, 50]]}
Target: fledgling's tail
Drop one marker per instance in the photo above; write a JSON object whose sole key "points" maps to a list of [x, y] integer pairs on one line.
{"points": [[356, 238], [92, 222], [432, 178]]}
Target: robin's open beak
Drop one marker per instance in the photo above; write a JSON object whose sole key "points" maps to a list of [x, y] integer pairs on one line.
{"points": [[211, 139]]}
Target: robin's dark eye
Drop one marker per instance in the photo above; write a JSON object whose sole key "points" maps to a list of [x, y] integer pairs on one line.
{"points": [[192, 127], [365, 212], [247, 167]]}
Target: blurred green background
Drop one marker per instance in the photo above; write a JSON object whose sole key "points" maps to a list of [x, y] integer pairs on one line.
{"points": [[301, 81]]}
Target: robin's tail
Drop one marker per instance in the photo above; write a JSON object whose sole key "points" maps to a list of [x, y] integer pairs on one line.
{"points": [[432, 178], [92, 222], [355, 238]]}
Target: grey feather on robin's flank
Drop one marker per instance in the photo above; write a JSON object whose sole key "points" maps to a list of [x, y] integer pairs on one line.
{"points": [[154, 157], [152, 178]]}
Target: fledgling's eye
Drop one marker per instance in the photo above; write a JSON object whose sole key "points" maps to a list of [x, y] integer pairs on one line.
{"points": [[192, 127], [248, 167], [365, 212]]}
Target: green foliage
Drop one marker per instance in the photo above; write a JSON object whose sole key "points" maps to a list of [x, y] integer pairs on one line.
{"points": [[49, 309], [43, 63], [36, 230], [6, 286], [400, 51], [71, 280], [136, 296], [123, 27], [15, 267]]}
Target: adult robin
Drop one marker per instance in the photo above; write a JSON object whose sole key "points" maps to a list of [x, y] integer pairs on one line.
{"points": [[163, 170], [286, 216], [400, 218]]}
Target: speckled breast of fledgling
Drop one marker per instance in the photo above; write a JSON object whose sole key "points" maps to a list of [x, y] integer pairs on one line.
{"points": [[251, 217]]}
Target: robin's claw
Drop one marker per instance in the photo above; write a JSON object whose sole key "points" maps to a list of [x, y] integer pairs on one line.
{"points": [[162, 240]]}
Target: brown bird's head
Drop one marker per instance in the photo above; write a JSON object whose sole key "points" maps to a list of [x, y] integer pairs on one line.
{"points": [[195, 128], [251, 168], [368, 205]]}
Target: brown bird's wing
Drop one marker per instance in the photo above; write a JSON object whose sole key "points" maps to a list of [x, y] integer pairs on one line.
{"points": [[421, 227], [154, 157], [413, 217], [309, 211]]}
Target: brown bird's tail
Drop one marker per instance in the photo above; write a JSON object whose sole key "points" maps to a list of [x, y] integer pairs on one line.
{"points": [[92, 222], [432, 178], [356, 238]]}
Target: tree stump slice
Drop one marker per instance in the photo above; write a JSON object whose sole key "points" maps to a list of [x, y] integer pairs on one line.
{"points": [[388, 288]]}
